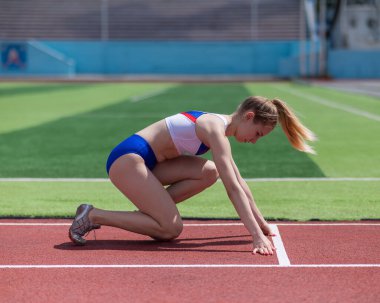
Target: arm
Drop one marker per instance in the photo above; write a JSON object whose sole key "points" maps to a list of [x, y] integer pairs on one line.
{"points": [[256, 212], [214, 135], [221, 152]]}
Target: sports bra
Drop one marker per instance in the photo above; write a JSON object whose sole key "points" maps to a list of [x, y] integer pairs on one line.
{"points": [[182, 131]]}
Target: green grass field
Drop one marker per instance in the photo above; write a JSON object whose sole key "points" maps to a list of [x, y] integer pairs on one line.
{"points": [[67, 130]]}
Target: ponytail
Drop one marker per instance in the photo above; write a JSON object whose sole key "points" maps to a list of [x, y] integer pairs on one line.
{"points": [[296, 133]]}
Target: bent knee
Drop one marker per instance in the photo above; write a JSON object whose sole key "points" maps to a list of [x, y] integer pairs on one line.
{"points": [[170, 232], [210, 173]]}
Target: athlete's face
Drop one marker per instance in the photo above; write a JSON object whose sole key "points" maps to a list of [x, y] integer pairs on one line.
{"points": [[249, 131]]}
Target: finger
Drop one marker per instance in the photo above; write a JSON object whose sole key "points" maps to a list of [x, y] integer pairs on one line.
{"points": [[263, 251]]}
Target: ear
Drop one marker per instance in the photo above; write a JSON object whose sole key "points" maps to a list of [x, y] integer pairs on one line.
{"points": [[249, 115]]}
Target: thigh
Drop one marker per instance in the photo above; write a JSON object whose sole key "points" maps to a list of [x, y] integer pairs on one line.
{"points": [[131, 176], [183, 168]]}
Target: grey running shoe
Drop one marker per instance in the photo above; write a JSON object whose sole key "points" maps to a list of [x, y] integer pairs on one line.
{"points": [[81, 225]]}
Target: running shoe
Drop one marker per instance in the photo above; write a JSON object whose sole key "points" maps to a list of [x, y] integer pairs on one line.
{"points": [[81, 225]]}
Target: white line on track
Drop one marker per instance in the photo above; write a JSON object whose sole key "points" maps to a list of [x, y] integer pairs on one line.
{"points": [[309, 179], [200, 224], [329, 224], [247, 179], [54, 180], [282, 256], [281, 252], [331, 104], [65, 266]]}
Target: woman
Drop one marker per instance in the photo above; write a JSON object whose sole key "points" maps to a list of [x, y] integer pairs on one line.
{"points": [[165, 153]]}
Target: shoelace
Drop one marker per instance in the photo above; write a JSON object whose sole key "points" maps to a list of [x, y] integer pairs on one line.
{"points": [[89, 232], [83, 228]]}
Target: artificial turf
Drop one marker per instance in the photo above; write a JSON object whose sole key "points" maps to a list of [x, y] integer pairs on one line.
{"points": [[67, 130]]}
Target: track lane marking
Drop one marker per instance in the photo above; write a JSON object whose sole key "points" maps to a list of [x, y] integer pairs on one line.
{"points": [[201, 224], [63, 266], [282, 256]]}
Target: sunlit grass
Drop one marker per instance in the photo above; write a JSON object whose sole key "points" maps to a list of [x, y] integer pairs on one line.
{"points": [[67, 130]]}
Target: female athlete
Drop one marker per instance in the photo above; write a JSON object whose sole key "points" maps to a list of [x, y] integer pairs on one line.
{"points": [[159, 166]]}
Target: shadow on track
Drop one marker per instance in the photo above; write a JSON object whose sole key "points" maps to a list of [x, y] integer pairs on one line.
{"points": [[189, 244]]}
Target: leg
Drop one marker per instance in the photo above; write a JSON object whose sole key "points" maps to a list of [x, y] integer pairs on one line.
{"points": [[157, 217], [186, 175]]}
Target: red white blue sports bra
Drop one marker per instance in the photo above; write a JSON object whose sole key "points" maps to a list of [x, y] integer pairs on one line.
{"points": [[182, 131]]}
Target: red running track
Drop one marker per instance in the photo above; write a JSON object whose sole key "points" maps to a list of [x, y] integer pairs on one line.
{"points": [[329, 263]]}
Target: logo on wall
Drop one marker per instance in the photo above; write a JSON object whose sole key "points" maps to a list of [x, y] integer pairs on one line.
{"points": [[13, 56]]}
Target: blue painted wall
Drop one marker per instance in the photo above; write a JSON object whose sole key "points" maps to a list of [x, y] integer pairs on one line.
{"points": [[169, 58], [176, 57], [267, 58], [354, 64], [40, 61]]}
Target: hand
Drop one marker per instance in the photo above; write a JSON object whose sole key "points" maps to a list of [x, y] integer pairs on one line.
{"points": [[263, 246], [267, 230]]}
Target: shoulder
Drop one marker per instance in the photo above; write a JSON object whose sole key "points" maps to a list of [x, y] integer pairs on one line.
{"points": [[211, 123], [211, 131]]}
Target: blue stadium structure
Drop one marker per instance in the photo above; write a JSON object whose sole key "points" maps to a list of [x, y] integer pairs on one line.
{"points": [[235, 38]]}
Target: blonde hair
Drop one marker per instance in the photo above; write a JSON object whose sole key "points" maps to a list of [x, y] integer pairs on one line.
{"points": [[270, 112]]}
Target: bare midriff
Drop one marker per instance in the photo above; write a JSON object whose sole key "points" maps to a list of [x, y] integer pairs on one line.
{"points": [[159, 139]]}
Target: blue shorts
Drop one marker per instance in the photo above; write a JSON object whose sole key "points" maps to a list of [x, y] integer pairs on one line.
{"points": [[133, 145]]}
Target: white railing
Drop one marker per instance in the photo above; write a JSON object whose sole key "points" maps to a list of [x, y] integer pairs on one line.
{"points": [[69, 63]]}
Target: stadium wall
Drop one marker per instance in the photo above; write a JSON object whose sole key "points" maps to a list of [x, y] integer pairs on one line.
{"points": [[169, 58], [261, 58], [162, 58], [358, 64]]}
